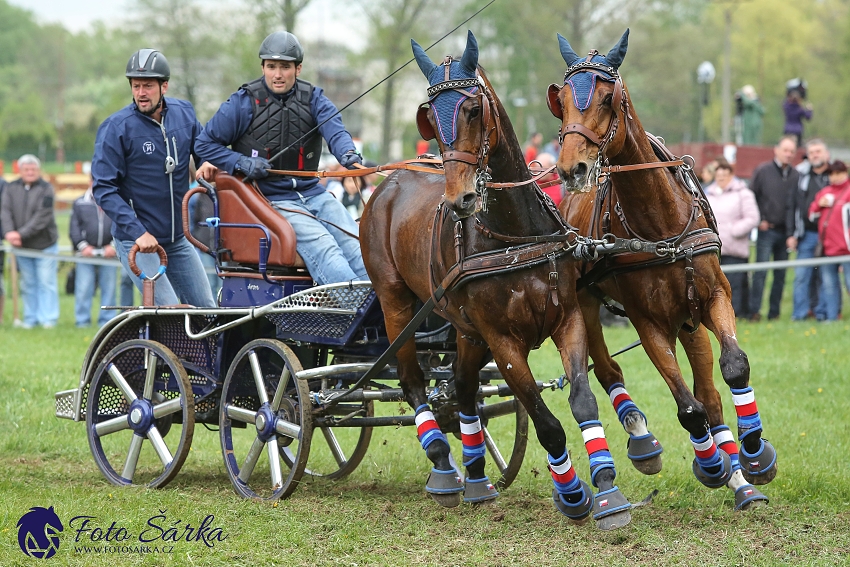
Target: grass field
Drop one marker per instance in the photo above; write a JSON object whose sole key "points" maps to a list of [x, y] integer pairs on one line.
{"points": [[380, 515]]}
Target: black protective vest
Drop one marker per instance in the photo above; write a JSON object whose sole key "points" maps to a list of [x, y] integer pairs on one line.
{"points": [[276, 125]]}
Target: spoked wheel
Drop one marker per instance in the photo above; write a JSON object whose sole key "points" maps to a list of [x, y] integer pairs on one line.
{"points": [[339, 450], [505, 424], [264, 409], [140, 392]]}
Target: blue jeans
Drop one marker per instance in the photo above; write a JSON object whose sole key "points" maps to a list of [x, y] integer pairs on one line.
{"points": [[39, 290], [88, 277], [770, 242], [831, 288], [739, 284], [128, 288], [803, 280], [209, 263], [184, 276], [331, 255]]}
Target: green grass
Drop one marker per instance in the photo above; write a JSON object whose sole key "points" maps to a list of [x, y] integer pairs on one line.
{"points": [[380, 515]]}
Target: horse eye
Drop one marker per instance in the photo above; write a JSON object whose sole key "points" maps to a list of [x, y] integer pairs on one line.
{"points": [[474, 111], [607, 100]]}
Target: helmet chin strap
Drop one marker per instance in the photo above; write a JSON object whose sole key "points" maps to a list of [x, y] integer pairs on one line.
{"points": [[153, 110]]}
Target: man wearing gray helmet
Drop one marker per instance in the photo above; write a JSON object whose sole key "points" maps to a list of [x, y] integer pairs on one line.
{"points": [[278, 122], [140, 173]]}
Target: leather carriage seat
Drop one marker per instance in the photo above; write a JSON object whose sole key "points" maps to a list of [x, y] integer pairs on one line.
{"points": [[242, 203]]}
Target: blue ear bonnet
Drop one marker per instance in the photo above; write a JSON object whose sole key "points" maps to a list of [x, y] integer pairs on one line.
{"points": [[583, 84], [446, 103]]}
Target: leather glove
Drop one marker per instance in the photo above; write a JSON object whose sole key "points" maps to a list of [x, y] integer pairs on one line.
{"points": [[253, 167], [350, 158]]}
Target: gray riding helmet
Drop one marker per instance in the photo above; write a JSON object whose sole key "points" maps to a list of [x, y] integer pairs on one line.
{"points": [[282, 46], [148, 64]]}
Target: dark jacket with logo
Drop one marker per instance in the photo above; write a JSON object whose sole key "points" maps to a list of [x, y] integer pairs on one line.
{"points": [[30, 213], [237, 115], [89, 224], [129, 178], [772, 186]]}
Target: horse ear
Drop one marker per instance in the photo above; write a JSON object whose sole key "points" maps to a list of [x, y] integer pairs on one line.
{"points": [[567, 51], [422, 59], [618, 52], [469, 61]]}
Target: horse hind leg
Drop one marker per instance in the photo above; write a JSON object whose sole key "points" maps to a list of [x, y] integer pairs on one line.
{"points": [[644, 450], [756, 455]]}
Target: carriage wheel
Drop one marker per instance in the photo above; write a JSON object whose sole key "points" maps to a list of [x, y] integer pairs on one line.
{"points": [[339, 450], [263, 407], [140, 392], [505, 438]]}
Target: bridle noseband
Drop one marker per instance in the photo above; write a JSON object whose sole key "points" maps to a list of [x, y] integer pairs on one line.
{"points": [[491, 131]]}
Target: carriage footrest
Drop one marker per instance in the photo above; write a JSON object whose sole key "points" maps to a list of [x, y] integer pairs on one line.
{"points": [[66, 404]]}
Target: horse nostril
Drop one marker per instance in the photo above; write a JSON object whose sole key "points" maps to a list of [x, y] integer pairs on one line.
{"points": [[579, 170], [468, 200]]}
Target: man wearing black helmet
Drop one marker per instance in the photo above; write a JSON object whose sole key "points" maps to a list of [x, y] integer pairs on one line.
{"points": [[140, 173], [271, 123]]}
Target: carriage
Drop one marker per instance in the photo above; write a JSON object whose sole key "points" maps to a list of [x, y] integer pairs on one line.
{"points": [[276, 363]]}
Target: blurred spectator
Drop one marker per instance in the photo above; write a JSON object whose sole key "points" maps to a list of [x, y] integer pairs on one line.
{"points": [[706, 174], [831, 209], [370, 182], [2, 256], [553, 148], [737, 214], [772, 183], [813, 177], [532, 148], [351, 198], [555, 191], [752, 113], [27, 217], [91, 236], [796, 109]]}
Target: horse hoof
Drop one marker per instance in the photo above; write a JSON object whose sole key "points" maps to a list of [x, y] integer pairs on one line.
{"points": [[614, 521], [479, 491], [645, 453], [611, 509], [748, 497], [760, 467], [718, 479], [578, 513], [445, 487], [446, 500]]}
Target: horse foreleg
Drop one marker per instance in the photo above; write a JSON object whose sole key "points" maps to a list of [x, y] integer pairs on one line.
{"points": [[610, 507], [711, 466], [644, 450]]}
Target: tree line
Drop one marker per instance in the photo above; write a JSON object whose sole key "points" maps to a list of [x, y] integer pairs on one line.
{"points": [[57, 86]]}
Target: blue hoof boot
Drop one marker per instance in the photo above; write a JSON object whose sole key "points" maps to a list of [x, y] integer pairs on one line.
{"points": [[760, 467], [479, 490], [748, 495], [611, 509], [445, 487], [718, 479], [578, 513], [645, 453]]}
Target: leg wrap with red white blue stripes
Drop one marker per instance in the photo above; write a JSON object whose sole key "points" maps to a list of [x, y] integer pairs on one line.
{"points": [[597, 448], [725, 441], [426, 427], [622, 402], [748, 413], [563, 474], [472, 437], [712, 467]]}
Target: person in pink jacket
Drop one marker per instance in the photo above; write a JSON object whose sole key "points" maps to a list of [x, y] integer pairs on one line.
{"points": [[831, 210], [737, 215]]}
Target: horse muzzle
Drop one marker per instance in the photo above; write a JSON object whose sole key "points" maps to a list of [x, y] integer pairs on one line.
{"points": [[578, 178], [464, 205]]}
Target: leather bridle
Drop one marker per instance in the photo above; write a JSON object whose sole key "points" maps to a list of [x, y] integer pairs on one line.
{"points": [[491, 130]]}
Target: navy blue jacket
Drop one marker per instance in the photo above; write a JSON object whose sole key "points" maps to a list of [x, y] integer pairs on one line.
{"points": [[128, 170], [234, 118]]}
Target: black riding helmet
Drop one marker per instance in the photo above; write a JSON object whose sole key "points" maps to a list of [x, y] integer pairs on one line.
{"points": [[282, 46], [148, 64]]}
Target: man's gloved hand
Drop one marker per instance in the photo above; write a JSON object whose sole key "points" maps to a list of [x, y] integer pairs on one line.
{"points": [[253, 167], [350, 158]]}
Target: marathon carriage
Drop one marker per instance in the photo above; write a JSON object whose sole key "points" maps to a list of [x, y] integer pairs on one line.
{"points": [[277, 362]]}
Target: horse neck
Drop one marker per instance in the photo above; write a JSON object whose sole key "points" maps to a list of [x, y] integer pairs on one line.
{"points": [[647, 196], [517, 210]]}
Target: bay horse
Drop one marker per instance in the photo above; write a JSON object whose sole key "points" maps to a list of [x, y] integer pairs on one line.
{"points": [[649, 202], [420, 233]]}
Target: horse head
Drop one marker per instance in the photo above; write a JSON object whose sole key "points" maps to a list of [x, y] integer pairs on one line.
{"points": [[593, 107], [462, 113]]}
